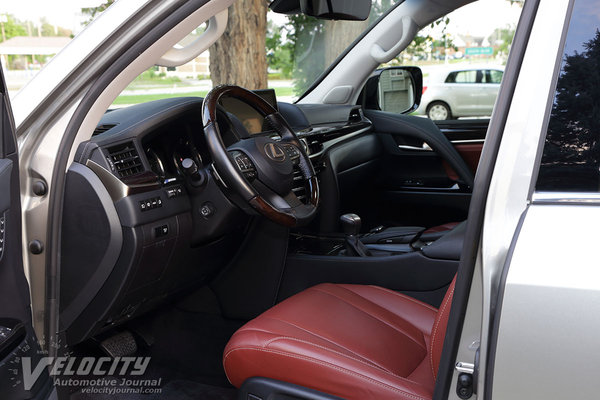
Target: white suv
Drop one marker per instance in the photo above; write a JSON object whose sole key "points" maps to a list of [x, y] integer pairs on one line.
{"points": [[461, 92]]}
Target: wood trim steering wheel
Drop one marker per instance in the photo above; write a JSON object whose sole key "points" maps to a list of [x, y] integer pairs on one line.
{"points": [[258, 168]]}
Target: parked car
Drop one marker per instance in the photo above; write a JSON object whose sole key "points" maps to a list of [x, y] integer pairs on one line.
{"points": [[165, 247], [461, 92]]}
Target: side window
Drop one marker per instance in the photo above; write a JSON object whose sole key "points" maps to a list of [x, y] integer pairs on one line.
{"points": [[451, 77], [460, 56], [493, 76], [571, 157], [466, 77]]}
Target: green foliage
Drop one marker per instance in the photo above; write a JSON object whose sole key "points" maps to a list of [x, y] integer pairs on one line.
{"points": [[13, 27], [92, 12], [297, 49], [308, 54], [279, 53], [502, 38], [152, 76]]}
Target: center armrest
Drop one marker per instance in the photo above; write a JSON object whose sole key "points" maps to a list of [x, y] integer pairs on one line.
{"points": [[449, 246]]}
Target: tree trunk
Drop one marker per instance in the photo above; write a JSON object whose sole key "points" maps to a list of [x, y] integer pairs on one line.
{"points": [[339, 35], [239, 56]]}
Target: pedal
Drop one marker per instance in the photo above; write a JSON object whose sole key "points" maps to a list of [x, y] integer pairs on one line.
{"points": [[120, 345], [143, 332]]}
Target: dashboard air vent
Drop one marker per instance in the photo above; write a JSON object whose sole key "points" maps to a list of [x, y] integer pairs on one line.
{"points": [[100, 129], [125, 160], [299, 188], [355, 115]]}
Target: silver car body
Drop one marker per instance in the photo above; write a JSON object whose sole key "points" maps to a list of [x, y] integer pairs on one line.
{"points": [[464, 97]]}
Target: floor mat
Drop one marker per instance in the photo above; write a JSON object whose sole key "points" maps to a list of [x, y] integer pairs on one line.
{"points": [[186, 357]]}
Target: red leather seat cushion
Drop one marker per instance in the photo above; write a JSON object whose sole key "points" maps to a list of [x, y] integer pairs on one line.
{"points": [[442, 228], [352, 341]]}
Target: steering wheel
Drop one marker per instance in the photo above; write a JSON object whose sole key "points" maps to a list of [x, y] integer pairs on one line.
{"points": [[258, 169]]}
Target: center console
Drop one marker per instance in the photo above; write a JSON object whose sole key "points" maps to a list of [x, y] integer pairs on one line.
{"points": [[404, 259]]}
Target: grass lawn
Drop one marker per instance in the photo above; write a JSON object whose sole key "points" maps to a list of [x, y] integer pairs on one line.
{"points": [[143, 98]]}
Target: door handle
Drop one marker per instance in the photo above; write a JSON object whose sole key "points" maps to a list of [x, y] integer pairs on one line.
{"points": [[425, 147]]}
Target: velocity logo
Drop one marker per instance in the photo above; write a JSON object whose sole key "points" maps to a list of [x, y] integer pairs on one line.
{"points": [[83, 367]]}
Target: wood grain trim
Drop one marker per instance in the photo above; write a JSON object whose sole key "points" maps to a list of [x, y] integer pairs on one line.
{"points": [[260, 205]]}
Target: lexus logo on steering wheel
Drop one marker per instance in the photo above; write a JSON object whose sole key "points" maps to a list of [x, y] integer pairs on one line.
{"points": [[274, 152]]}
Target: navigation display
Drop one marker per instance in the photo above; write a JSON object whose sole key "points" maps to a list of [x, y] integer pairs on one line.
{"points": [[252, 120]]}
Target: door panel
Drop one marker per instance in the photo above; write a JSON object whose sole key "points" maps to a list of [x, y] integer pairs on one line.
{"points": [[414, 186], [19, 349], [417, 185], [470, 152]]}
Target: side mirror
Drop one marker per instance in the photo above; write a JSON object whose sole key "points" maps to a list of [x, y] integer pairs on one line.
{"points": [[394, 89]]}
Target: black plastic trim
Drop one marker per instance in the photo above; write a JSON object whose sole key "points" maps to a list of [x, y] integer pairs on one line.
{"points": [[108, 262], [480, 193], [258, 388]]}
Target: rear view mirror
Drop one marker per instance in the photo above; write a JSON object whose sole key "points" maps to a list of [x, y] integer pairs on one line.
{"points": [[395, 89], [350, 10], [353, 10]]}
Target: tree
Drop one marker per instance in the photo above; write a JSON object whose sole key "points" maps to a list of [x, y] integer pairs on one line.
{"points": [[279, 52], [239, 56], [339, 35], [572, 141], [13, 27], [92, 12], [502, 38]]}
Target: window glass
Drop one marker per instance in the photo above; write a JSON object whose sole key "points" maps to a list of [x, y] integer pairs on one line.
{"points": [[466, 77], [494, 76], [458, 52], [571, 157], [451, 77]]}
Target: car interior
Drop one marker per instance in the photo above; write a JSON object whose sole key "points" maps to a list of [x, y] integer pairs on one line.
{"points": [[299, 250]]}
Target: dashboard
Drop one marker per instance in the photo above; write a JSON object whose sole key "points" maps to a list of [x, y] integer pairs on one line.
{"points": [[138, 230]]}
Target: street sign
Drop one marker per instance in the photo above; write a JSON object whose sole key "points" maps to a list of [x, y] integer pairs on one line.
{"points": [[477, 51]]}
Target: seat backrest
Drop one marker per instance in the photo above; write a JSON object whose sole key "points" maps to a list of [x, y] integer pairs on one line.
{"points": [[439, 329]]}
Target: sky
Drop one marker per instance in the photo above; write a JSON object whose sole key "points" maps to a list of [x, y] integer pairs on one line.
{"points": [[477, 19], [64, 13], [482, 17], [584, 22]]}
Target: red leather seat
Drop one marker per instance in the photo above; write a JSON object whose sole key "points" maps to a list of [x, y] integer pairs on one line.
{"points": [[352, 341], [442, 228]]}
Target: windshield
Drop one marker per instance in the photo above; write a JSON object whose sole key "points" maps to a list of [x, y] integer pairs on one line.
{"points": [[301, 48]]}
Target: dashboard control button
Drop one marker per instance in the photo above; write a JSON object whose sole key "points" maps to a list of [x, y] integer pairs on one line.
{"points": [[150, 204], [161, 231], [207, 210]]}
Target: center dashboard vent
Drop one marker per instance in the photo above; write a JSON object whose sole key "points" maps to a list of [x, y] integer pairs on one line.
{"points": [[124, 160]]}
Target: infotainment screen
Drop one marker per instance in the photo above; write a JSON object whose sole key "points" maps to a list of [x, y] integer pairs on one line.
{"points": [[251, 118]]}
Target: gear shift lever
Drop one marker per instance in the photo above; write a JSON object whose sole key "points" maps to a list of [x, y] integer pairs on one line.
{"points": [[351, 226]]}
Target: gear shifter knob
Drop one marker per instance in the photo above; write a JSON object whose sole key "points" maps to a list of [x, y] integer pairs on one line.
{"points": [[350, 224]]}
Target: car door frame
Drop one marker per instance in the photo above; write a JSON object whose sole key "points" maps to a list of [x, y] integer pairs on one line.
{"points": [[20, 346], [501, 195]]}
